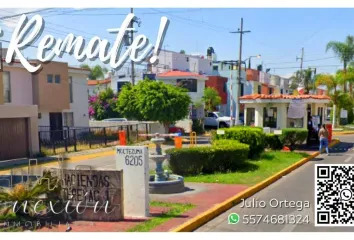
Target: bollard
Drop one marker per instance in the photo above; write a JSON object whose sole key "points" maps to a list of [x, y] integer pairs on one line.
{"points": [[178, 142], [329, 129], [193, 139], [122, 139]]}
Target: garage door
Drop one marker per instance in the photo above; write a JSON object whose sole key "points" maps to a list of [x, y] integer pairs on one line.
{"points": [[13, 138]]}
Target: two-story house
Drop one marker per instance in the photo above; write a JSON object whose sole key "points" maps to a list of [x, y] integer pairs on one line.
{"points": [[194, 82], [59, 91], [169, 60]]}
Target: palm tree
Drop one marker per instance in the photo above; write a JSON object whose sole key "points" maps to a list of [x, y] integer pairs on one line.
{"points": [[345, 52], [332, 82], [97, 72], [347, 77]]}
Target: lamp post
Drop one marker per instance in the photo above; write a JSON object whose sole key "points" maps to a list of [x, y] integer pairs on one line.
{"points": [[249, 60]]}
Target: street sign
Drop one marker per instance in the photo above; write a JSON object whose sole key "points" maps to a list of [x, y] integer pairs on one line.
{"points": [[134, 161]]}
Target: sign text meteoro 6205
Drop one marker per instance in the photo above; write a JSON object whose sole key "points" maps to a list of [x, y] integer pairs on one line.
{"points": [[134, 157]]}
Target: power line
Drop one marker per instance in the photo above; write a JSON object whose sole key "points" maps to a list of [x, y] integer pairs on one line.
{"points": [[123, 14]]}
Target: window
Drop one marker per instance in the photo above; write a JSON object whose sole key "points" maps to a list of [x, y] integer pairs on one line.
{"points": [[281, 91], [215, 68], [259, 89], [251, 116], [120, 85], [225, 87], [71, 88], [211, 115], [242, 89], [68, 119], [294, 122], [50, 78], [270, 91], [189, 84], [57, 78], [270, 117], [7, 87]]}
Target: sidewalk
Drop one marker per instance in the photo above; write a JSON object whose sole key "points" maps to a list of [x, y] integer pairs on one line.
{"points": [[202, 195]]}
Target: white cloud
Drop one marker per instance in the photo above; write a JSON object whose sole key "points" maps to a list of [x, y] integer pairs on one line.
{"points": [[12, 22]]}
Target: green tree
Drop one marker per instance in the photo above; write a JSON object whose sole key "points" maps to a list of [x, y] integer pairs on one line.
{"points": [[182, 52], [304, 77], [348, 76], [345, 52], [332, 82], [103, 105], [211, 98], [97, 72], [154, 101]]}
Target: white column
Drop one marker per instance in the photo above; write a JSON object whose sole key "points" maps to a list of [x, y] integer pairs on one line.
{"points": [[245, 116], [259, 115], [305, 117]]}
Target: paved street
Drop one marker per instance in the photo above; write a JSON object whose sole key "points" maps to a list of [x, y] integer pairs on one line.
{"points": [[296, 186]]}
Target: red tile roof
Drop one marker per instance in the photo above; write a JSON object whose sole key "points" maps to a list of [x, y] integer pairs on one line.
{"points": [[98, 82], [179, 74], [281, 96]]}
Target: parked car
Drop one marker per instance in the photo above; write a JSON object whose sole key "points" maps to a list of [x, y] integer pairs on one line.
{"points": [[175, 129], [115, 120], [216, 119]]}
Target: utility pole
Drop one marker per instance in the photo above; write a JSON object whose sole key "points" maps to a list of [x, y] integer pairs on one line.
{"points": [[131, 42], [241, 32], [302, 60]]}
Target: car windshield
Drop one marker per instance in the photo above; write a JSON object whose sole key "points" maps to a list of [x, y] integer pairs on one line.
{"points": [[219, 114]]}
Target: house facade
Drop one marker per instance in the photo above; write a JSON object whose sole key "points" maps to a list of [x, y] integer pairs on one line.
{"points": [[193, 82], [59, 91], [169, 61]]}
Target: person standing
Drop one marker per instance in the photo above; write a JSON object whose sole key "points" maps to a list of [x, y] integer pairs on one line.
{"points": [[323, 135]]}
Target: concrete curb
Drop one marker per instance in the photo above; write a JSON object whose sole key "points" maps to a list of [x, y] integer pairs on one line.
{"points": [[342, 133], [210, 214]]}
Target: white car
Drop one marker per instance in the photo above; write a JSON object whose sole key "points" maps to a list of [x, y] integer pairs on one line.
{"points": [[115, 120], [217, 120]]}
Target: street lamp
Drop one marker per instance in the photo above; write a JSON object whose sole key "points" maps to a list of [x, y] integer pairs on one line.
{"points": [[249, 60]]}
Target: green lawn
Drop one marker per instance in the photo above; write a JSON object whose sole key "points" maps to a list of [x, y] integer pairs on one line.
{"points": [[253, 171], [176, 209]]}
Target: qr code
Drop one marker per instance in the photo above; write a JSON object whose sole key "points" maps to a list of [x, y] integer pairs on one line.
{"points": [[334, 198]]}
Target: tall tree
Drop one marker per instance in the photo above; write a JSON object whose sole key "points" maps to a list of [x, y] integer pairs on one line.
{"points": [[332, 82], [97, 72], [154, 101], [307, 80], [345, 52], [182, 52], [211, 98]]}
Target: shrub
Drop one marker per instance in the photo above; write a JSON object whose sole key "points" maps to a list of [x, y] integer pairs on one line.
{"points": [[293, 136], [198, 126], [273, 142], [217, 158], [225, 142], [253, 136]]}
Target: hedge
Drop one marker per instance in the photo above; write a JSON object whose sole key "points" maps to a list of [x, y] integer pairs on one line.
{"points": [[221, 157], [253, 136], [293, 136], [273, 142]]}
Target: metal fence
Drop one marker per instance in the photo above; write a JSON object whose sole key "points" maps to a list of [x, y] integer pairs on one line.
{"points": [[72, 139]]}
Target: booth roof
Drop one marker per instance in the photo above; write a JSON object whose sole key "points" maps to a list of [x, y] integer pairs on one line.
{"points": [[281, 96]]}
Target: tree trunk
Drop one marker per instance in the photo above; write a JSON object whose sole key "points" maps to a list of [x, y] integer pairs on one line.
{"points": [[345, 82], [334, 116]]}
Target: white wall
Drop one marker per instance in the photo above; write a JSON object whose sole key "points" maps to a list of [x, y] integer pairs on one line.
{"points": [[44, 120], [21, 86], [79, 106]]}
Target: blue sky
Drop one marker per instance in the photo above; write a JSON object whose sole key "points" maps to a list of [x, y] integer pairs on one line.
{"points": [[277, 34]]}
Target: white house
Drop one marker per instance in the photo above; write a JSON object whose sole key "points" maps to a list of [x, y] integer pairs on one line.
{"points": [[169, 61], [195, 83]]}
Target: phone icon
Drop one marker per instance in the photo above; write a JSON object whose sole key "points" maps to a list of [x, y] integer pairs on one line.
{"points": [[233, 218], [346, 195]]}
